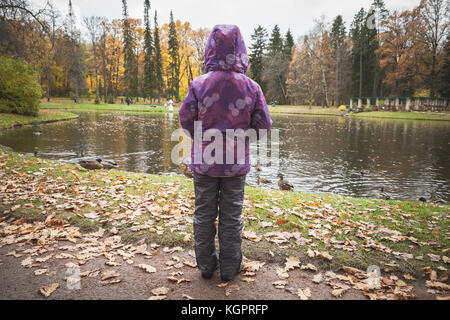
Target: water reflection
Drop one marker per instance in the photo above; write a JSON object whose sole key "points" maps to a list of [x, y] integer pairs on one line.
{"points": [[318, 154]]}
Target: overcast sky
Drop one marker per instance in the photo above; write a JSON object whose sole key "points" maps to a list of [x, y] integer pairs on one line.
{"points": [[298, 15]]}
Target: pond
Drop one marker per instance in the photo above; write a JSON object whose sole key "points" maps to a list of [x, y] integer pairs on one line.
{"points": [[318, 154]]}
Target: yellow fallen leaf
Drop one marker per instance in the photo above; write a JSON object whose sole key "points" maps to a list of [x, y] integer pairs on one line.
{"points": [[48, 290], [407, 276], [437, 285], [339, 292], [38, 272]]}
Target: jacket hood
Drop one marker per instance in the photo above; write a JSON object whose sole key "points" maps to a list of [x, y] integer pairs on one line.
{"points": [[226, 50]]}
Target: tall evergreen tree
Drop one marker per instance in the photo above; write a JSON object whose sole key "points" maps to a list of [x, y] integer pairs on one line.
{"points": [[258, 49], [157, 61], [174, 61], [337, 35], [379, 13], [130, 60], [276, 68], [288, 45], [276, 41], [363, 54], [149, 74]]}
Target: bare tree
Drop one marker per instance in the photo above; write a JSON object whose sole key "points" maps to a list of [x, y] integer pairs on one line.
{"points": [[318, 45], [93, 24], [435, 23]]}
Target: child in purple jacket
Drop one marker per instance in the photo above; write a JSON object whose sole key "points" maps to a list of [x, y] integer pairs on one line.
{"points": [[222, 102]]}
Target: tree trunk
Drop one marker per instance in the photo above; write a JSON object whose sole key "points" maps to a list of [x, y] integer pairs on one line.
{"points": [[360, 74]]}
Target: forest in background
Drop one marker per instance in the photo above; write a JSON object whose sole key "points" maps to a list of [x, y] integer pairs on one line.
{"points": [[398, 53]]}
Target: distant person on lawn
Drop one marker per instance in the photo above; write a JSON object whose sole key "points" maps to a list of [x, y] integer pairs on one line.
{"points": [[224, 98]]}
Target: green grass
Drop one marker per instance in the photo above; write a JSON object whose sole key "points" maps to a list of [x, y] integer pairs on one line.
{"points": [[444, 116], [336, 218], [107, 107], [9, 120], [304, 110]]}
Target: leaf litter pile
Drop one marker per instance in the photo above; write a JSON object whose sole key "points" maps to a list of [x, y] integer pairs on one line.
{"points": [[52, 211]]}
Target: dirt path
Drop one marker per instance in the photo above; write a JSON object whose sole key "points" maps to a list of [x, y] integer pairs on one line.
{"points": [[19, 282]]}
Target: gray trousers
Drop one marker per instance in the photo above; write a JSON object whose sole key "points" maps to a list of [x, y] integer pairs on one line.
{"points": [[223, 197]]}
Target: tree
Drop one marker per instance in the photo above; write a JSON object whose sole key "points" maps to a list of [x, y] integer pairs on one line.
{"points": [[303, 81], [275, 68], [258, 49], [377, 13], [159, 82], [318, 44], [174, 61], [93, 24], [435, 17], [20, 91], [130, 60], [200, 39], [275, 42], [76, 71], [337, 37], [288, 46], [149, 78], [104, 30], [444, 87], [363, 53]]}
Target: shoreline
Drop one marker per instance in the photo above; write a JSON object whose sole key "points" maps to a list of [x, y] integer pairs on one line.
{"points": [[356, 232], [13, 121]]}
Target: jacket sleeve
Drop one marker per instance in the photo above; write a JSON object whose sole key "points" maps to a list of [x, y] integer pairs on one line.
{"points": [[260, 117], [189, 111]]}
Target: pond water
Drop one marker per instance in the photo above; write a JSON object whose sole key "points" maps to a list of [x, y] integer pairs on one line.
{"points": [[319, 154]]}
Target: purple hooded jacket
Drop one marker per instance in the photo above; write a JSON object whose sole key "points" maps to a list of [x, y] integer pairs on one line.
{"points": [[224, 98]]}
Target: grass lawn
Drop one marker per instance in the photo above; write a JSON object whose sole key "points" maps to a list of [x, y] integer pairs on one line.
{"points": [[331, 230], [64, 104], [9, 120], [303, 110], [444, 116], [110, 107]]}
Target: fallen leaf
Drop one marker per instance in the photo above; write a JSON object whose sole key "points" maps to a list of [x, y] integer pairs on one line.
{"points": [[317, 278], [48, 290], [291, 263], [38, 272], [231, 288], [304, 294], [109, 274], [338, 292], [326, 255], [161, 291], [146, 268]]}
